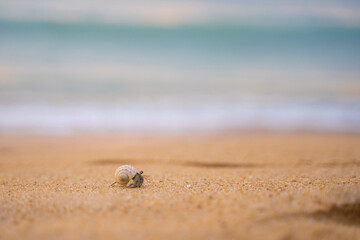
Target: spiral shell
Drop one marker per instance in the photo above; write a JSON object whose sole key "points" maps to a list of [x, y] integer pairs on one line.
{"points": [[124, 173]]}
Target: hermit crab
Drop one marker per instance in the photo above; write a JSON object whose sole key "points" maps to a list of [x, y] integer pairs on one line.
{"points": [[124, 173]]}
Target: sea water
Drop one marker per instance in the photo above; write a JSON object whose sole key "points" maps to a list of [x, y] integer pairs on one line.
{"points": [[66, 77]]}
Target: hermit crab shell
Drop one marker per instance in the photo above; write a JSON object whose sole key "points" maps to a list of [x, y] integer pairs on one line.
{"points": [[123, 174]]}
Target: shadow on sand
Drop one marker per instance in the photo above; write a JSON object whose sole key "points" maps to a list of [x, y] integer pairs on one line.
{"points": [[211, 164], [175, 162], [346, 214]]}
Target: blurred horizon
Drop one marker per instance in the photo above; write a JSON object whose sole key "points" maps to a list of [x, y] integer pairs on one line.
{"points": [[179, 66], [175, 12]]}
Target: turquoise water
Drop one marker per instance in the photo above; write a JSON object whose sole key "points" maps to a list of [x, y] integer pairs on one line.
{"points": [[65, 77]]}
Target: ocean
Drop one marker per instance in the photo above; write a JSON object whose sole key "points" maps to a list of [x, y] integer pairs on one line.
{"points": [[70, 77]]}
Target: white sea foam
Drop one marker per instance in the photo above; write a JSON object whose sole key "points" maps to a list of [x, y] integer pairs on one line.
{"points": [[180, 118]]}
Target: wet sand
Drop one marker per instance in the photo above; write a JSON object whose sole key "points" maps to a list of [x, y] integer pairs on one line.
{"points": [[229, 186]]}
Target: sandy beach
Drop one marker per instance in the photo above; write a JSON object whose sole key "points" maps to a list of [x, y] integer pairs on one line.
{"points": [[228, 186]]}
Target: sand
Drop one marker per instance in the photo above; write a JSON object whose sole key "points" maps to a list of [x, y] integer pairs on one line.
{"points": [[228, 186]]}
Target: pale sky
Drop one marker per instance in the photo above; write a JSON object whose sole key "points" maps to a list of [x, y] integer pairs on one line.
{"points": [[173, 12]]}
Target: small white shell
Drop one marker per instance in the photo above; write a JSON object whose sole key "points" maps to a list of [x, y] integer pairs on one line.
{"points": [[124, 173]]}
